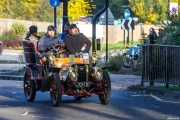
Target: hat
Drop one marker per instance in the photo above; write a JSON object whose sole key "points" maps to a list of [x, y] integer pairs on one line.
{"points": [[33, 29], [51, 27], [66, 25], [73, 26]]}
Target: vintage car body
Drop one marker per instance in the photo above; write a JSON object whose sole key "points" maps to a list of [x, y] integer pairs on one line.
{"points": [[71, 76], [1, 47]]}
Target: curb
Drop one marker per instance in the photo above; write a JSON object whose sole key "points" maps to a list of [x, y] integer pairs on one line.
{"points": [[8, 77], [172, 93]]}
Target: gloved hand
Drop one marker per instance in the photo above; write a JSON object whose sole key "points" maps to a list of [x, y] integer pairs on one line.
{"points": [[62, 45], [49, 47], [77, 54]]}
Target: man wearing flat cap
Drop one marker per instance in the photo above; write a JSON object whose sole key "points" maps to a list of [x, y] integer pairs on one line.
{"points": [[32, 35], [48, 40], [76, 42]]}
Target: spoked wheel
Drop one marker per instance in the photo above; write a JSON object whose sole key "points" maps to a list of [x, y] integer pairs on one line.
{"points": [[29, 88], [55, 90], [104, 98], [78, 98], [126, 61]]}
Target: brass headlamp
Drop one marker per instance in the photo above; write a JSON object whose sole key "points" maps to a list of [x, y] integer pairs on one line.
{"points": [[97, 73], [72, 74]]}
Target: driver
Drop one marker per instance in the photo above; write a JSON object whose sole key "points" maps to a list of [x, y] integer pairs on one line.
{"points": [[47, 41], [76, 42]]}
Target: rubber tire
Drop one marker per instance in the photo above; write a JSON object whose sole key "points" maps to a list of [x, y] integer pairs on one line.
{"points": [[30, 96], [1, 49], [55, 86], [78, 98], [104, 99]]}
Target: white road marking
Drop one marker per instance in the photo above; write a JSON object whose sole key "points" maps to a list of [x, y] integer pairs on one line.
{"points": [[155, 97], [14, 92], [138, 95], [39, 116], [34, 116], [25, 113]]}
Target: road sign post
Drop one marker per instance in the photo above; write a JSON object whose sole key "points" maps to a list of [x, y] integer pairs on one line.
{"points": [[107, 18], [127, 14], [54, 3]]}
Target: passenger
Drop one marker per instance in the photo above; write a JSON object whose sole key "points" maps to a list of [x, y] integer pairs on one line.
{"points": [[46, 42], [66, 31], [32, 35], [76, 42]]}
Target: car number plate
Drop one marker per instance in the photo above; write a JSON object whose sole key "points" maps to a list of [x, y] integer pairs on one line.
{"points": [[82, 84]]}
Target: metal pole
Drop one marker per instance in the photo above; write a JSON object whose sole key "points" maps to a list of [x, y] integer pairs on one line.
{"points": [[132, 36], [168, 12], [94, 23], [65, 13], [94, 26], [106, 35], [55, 19], [127, 37], [151, 60]]}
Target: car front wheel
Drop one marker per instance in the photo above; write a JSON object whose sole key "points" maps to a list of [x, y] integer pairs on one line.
{"points": [[55, 90], [106, 84]]}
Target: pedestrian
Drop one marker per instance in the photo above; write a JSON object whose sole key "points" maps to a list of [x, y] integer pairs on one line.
{"points": [[152, 32]]}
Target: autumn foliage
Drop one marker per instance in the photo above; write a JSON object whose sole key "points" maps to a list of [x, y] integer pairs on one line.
{"points": [[41, 10]]}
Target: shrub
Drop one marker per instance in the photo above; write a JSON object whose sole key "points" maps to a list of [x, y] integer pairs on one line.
{"points": [[12, 44], [41, 33], [169, 34], [5, 35], [115, 63], [17, 31]]}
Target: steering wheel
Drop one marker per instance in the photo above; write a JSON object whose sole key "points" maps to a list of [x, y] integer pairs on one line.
{"points": [[55, 47]]}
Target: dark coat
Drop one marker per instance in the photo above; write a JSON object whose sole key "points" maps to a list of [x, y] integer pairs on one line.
{"points": [[74, 43], [154, 34]]}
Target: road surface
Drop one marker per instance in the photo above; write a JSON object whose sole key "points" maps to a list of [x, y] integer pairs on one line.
{"points": [[123, 105]]}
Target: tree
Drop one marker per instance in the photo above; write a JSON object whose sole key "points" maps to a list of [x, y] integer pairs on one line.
{"points": [[77, 8], [149, 11], [40, 10]]}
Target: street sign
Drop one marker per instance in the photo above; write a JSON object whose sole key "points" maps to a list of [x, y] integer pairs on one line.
{"points": [[127, 24], [110, 19], [127, 14], [54, 3]]}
